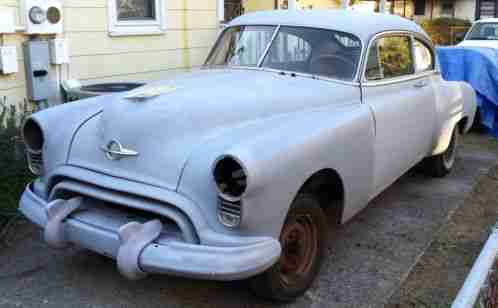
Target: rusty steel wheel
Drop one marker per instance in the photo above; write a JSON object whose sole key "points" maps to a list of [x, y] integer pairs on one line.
{"points": [[303, 240], [299, 242]]}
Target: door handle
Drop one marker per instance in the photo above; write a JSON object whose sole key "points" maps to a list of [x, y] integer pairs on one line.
{"points": [[420, 84]]}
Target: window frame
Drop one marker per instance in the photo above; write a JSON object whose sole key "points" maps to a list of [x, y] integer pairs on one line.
{"points": [[431, 51], [410, 47], [416, 75], [156, 26]]}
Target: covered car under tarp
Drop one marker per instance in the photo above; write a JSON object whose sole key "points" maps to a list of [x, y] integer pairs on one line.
{"points": [[478, 67]]}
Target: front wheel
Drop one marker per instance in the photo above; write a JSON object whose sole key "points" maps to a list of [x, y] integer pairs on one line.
{"points": [[303, 241], [440, 165]]}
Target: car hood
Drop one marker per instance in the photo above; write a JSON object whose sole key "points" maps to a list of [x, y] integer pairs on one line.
{"points": [[183, 113], [479, 43]]}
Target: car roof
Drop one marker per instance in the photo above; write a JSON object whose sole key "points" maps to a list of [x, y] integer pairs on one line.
{"points": [[487, 20], [363, 25]]}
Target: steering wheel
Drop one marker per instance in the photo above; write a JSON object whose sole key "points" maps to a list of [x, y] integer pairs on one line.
{"points": [[327, 58]]}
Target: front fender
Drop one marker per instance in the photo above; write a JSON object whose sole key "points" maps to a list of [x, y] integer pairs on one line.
{"points": [[280, 155], [59, 124]]}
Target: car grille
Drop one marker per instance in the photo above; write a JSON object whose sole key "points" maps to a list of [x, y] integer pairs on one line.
{"points": [[35, 161], [66, 188], [230, 207]]}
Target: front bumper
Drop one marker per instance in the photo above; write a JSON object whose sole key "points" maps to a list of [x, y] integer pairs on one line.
{"points": [[100, 229]]}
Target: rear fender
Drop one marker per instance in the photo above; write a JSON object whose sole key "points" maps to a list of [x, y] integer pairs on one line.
{"points": [[455, 101]]}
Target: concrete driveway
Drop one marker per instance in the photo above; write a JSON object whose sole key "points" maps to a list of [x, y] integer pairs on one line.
{"points": [[368, 257]]}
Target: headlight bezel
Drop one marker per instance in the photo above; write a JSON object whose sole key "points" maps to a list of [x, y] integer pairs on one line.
{"points": [[218, 174], [32, 136], [34, 141]]}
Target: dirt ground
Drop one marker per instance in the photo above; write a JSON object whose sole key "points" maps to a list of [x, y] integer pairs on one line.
{"points": [[441, 271]]}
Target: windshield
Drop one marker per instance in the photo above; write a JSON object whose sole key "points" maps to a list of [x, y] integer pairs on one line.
{"points": [[312, 51], [241, 46], [483, 31]]}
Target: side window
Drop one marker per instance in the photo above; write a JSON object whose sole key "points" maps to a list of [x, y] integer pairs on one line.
{"points": [[423, 57], [390, 57]]}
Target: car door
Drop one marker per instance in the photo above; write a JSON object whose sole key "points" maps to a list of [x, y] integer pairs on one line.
{"points": [[401, 98]]}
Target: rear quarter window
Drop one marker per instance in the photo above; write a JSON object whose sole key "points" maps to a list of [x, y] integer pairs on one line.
{"points": [[390, 57]]}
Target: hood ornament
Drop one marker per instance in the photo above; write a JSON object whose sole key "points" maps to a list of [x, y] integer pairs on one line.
{"points": [[148, 92], [115, 151]]}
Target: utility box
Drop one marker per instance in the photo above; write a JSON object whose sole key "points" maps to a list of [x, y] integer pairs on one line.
{"points": [[59, 53], [7, 20], [8, 59], [36, 63], [42, 16]]}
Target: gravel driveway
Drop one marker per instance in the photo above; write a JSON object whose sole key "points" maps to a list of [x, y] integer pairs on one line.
{"points": [[368, 257]]}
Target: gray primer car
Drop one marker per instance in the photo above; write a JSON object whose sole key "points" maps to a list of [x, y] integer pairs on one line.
{"points": [[225, 173]]}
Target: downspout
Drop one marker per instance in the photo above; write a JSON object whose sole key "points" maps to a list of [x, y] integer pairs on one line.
{"points": [[432, 8], [186, 64]]}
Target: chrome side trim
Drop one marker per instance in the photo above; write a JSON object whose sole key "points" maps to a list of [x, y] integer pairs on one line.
{"points": [[391, 81]]}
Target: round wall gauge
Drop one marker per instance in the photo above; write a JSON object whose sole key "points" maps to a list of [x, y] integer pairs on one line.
{"points": [[53, 15], [37, 15]]}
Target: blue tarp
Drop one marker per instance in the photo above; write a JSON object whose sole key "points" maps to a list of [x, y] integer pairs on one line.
{"points": [[479, 68]]}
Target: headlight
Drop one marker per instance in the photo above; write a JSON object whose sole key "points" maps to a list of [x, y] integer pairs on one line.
{"points": [[231, 181], [33, 139], [230, 178], [37, 15]]}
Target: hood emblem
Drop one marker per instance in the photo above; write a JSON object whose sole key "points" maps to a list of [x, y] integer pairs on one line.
{"points": [[115, 151], [150, 92]]}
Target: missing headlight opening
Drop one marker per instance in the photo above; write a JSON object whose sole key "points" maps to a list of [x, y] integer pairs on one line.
{"points": [[230, 177], [33, 136]]}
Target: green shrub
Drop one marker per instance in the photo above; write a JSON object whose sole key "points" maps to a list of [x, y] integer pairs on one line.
{"points": [[13, 171], [444, 30]]}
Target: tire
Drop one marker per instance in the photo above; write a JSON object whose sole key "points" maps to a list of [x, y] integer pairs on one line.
{"points": [[441, 165], [303, 240]]}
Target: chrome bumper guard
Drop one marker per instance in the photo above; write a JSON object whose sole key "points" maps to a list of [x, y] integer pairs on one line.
{"points": [[143, 247]]}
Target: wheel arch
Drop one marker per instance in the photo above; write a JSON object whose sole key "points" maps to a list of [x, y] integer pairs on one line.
{"points": [[328, 187]]}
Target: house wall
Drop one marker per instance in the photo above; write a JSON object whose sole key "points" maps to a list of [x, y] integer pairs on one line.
{"points": [[258, 5], [318, 4], [464, 9], [192, 27]]}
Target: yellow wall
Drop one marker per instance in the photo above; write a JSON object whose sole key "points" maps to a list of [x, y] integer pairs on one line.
{"points": [[318, 4], [192, 27], [258, 5]]}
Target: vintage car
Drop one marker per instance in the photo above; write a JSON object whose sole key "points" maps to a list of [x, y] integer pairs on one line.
{"points": [[296, 121], [483, 33]]}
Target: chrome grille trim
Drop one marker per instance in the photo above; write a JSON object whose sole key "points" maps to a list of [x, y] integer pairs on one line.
{"points": [[127, 200], [35, 161], [230, 207]]}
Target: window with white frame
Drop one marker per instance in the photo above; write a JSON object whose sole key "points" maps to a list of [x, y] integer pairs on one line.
{"points": [[136, 17]]}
